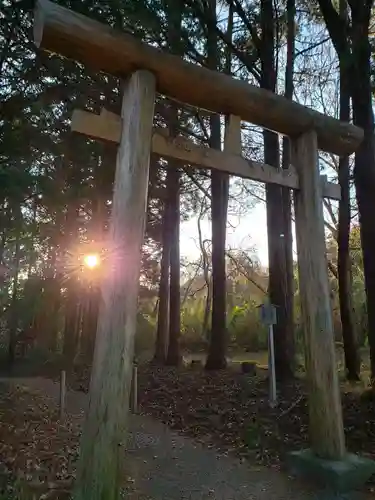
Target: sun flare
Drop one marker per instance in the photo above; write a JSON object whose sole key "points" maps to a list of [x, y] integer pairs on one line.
{"points": [[91, 260]]}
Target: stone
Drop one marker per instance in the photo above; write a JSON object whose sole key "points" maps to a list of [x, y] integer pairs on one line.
{"points": [[338, 475]]}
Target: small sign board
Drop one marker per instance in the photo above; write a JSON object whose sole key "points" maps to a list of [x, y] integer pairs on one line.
{"points": [[268, 314]]}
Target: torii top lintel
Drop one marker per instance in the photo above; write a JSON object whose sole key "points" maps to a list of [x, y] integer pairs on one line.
{"points": [[75, 36]]}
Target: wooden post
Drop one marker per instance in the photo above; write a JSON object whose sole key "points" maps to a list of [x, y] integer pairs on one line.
{"points": [[62, 394], [104, 434], [325, 413], [232, 137]]}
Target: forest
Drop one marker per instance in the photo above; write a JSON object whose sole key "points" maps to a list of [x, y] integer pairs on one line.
{"points": [[196, 308]]}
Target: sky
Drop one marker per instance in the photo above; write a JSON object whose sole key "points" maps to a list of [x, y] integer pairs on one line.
{"points": [[250, 231], [245, 232]]}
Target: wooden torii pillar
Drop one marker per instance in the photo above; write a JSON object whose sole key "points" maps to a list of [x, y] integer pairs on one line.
{"points": [[326, 424], [60, 30], [103, 442]]}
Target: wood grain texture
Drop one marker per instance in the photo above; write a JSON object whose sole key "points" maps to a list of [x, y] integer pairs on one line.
{"points": [[102, 446], [326, 425], [75, 36], [232, 136], [107, 126]]}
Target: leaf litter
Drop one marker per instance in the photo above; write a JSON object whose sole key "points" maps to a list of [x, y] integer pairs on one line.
{"points": [[225, 410]]}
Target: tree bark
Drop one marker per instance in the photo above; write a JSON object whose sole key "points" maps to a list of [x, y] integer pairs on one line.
{"points": [[72, 311], [13, 323], [357, 57], [364, 168], [286, 193], [53, 300], [207, 279], [351, 352], [90, 323], [73, 295], [174, 358], [103, 177], [173, 354], [161, 344], [278, 289], [216, 358]]}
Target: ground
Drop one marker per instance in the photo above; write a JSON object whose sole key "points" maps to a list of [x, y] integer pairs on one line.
{"points": [[229, 411], [160, 464], [220, 438]]}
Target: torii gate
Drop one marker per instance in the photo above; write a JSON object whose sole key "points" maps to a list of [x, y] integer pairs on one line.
{"points": [[148, 71]]}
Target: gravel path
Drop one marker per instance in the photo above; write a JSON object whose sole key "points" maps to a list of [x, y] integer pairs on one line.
{"points": [[167, 466]]}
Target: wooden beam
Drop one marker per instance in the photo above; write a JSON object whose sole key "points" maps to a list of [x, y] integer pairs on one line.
{"points": [[107, 126], [104, 433], [232, 136], [326, 425], [75, 36]]}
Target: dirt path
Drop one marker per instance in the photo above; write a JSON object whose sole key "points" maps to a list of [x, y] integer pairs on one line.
{"points": [[167, 466]]}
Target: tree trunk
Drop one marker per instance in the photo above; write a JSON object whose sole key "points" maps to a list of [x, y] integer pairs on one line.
{"points": [[352, 359], [161, 344], [206, 313], [207, 279], [287, 194], [278, 206], [356, 54], [216, 358], [174, 19], [173, 187], [32, 254], [72, 308], [14, 313], [47, 316], [72, 304], [90, 323], [104, 174], [50, 318], [52, 307], [364, 169]]}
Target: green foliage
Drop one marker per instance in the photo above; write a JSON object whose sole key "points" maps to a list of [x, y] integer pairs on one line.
{"points": [[145, 333], [245, 329], [192, 314]]}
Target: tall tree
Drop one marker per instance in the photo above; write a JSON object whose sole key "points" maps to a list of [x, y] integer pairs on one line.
{"points": [[352, 360], [277, 218], [354, 52], [161, 344], [73, 302], [216, 358], [14, 313], [287, 199], [173, 187], [174, 19]]}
